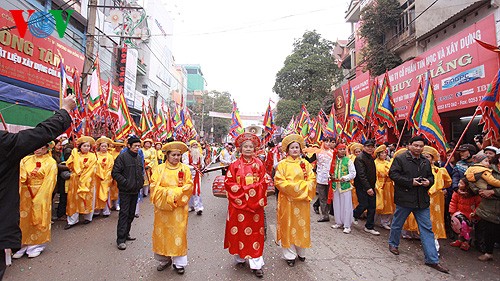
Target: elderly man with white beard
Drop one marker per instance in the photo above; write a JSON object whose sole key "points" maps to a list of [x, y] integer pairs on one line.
{"points": [[194, 158]]}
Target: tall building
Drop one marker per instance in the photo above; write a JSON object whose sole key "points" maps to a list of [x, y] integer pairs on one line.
{"points": [[439, 37], [195, 83]]}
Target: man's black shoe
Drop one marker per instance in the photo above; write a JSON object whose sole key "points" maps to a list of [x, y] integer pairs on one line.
{"points": [[438, 267], [130, 238], [323, 220]]}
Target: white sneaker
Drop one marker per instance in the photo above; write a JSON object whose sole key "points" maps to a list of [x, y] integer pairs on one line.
{"points": [[34, 255], [372, 231], [354, 221], [18, 255], [347, 230], [335, 226]]}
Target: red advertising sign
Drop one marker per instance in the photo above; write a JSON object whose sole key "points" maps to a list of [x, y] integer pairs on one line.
{"points": [[34, 60], [461, 71]]}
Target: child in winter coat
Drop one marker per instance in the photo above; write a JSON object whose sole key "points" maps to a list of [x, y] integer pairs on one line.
{"points": [[464, 201], [480, 173]]}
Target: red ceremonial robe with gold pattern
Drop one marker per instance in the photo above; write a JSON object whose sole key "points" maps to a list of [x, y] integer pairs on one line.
{"points": [[246, 193]]}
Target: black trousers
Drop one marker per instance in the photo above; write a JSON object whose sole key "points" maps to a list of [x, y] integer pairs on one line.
{"points": [[63, 197], [366, 202], [491, 231], [2, 263], [126, 216]]}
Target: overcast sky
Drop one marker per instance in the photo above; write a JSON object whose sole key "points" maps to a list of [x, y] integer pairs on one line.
{"points": [[241, 45]]}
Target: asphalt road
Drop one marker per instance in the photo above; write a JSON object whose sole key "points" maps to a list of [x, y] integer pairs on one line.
{"points": [[88, 252]]}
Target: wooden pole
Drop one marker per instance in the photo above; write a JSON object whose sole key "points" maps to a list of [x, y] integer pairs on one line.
{"points": [[461, 138], [401, 135], [3, 122]]}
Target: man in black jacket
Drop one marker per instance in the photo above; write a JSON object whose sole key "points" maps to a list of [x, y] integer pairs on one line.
{"points": [[128, 171], [412, 176], [13, 147], [364, 182]]}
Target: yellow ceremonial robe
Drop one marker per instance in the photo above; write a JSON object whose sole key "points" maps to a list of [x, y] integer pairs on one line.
{"points": [[441, 180], [150, 163], [36, 184], [103, 179], [113, 188], [384, 188], [355, 202], [171, 209], [81, 182], [295, 193], [160, 156]]}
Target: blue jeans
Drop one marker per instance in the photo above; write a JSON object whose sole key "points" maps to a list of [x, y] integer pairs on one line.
{"points": [[423, 217]]}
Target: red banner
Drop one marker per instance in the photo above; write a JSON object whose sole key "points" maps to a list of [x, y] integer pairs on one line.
{"points": [[461, 70], [34, 60]]}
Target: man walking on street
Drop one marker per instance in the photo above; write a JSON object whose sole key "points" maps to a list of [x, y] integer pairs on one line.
{"points": [[412, 176], [364, 182], [324, 161], [13, 147], [128, 171]]}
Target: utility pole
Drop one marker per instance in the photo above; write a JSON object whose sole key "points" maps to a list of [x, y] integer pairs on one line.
{"points": [[89, 44]]}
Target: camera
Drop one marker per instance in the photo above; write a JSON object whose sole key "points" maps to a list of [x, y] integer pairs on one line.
{"points": [[420, 179]]}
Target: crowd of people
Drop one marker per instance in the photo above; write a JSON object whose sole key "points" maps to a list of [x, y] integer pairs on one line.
{"points": [[406, 191]]}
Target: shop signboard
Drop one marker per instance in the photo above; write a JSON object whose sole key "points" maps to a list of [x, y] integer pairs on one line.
{"points": [[34, 60]]}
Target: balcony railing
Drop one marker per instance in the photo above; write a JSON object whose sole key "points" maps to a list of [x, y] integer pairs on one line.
{"points": [[350, 40], [141, 68], [402, 38]]}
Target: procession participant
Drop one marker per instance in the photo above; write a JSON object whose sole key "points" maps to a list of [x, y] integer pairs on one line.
{"points": [[128, 171], [81, 183], [113, 189], [150, 163], [490, 152], [103, 177], [354, 149], [384, 187], [270, 157], [194, 159], [159, 152], [323, 163], [172, 188], [38, 174], [206, 152], [227, 156], [465, 151], [13, 147], [296, 183], [437, 192], [412, 176], [366, 176], [342, 171], [246, 193]]}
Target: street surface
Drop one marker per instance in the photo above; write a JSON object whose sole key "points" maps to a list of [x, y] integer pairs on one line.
{"points": [[88, 252]]}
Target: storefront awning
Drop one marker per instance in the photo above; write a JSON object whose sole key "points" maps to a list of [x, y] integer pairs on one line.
{"points": [[39, 99]]}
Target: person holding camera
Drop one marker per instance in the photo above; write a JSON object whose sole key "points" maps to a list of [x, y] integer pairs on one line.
{"points": [[412, 176]]}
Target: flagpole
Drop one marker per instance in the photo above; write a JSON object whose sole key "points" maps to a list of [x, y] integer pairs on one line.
{"points": [[461, 138], [401, 135]]}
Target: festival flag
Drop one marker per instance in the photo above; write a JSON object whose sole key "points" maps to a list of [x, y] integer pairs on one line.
{"points": [[354, 112], [72, 84], [370, 121], [385, 112], [94, 90], [236, 128], [145, 125], [290, 128], [125, 122], [268, 123], [330, 129], [490, 110], [316, 132], [169, 125], [303, 118], [177, 121], [430, 123], [413, 118], [381, 133]]}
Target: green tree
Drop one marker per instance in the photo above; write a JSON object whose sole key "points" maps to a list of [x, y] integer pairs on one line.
{"points": [[378, 18], [306, 78], [212, 101]]}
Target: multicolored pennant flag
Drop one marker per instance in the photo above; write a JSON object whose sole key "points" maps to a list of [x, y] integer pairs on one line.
{"points": [[385, 112], [169, 125], [125, 122], [430, 123], [268, 123], [145, 125], [236, 128], [316, 132], [94, 91], [490, 109], [354, 111], [331, 128], [302, 119], [79, 114], [290, 128], [370, 121], [413, 118], [381, 134]]}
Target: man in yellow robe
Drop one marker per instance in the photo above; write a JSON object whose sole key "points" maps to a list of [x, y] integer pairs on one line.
{"points": [[38, 174], [296, 183], [172, 188]]}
